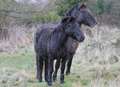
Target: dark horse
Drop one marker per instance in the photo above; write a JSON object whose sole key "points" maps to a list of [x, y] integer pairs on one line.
{"points": [[83, 16], [50, 44]]}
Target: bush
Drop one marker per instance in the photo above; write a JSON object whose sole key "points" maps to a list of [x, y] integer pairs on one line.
{"points": [[101, 7], [44, 18]]}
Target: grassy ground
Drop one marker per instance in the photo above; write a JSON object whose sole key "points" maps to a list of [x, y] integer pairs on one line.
{"points": [[18, 70]]}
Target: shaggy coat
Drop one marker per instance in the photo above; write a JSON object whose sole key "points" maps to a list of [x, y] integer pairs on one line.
{"points": [[50, 45]]}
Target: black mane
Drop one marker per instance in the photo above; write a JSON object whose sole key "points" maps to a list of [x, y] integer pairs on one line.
{"points": [[69, 13]]}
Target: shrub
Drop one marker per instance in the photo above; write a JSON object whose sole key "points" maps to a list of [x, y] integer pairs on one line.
{"points": [[44, 18], [101, 7]]}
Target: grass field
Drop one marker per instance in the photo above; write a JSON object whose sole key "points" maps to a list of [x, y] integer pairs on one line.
{"points": [[18, 70]]}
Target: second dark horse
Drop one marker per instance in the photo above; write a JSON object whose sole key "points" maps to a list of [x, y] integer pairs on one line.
{"points": [[83, 16]]}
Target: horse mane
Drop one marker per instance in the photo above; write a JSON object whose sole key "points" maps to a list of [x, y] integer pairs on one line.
{"points": [[69, 13]]}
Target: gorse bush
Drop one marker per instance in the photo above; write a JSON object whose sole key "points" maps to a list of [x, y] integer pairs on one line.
{"points": [[44, 18], [102, 6]]}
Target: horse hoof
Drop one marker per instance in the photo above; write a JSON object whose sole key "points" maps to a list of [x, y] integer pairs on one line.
{"points": [[62, 82], [67, 73], [54, 77], [46, 80], [40, 80], [49, 84]]}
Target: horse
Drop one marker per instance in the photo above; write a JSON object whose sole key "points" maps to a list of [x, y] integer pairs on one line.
{"points": [[50, 45], [83, 16]]}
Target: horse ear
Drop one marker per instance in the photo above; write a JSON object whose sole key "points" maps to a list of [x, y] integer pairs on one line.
{"points": [[68, 19], [83, 6]]}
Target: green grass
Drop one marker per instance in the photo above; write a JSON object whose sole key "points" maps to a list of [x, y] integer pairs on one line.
{"points": [[19, 61], [24, 63], [19, 69]]}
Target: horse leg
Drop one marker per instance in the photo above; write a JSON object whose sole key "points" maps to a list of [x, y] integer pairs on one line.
{"points": [[62, 70], [39, 63], [69, 63], [46, 70], [50, 71], [57, 65]]}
